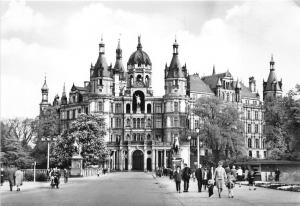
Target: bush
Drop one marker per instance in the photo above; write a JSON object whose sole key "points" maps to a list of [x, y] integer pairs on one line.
{"points": [[28, 176]]}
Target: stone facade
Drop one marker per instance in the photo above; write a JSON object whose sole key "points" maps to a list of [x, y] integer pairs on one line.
{"points": [[142, 128]]}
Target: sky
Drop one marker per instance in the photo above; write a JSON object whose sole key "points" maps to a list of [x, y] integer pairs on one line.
{"points": [[60, 39]]}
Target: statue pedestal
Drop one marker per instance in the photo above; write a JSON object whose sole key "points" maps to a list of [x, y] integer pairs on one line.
{"points": [[138, 110], [76, 166]]}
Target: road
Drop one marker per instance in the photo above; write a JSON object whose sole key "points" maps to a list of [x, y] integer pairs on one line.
{"points": [[138, 188]]}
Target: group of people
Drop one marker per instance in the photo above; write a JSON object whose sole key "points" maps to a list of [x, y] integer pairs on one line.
{"points": [[14, 176], [54, 176], [207, 178]]}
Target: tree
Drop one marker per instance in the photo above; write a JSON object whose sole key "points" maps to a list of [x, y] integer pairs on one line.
{"points": [[12, 152], [89, 132], [221, 127]]}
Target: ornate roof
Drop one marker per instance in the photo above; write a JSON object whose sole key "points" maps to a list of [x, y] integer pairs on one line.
{"points": [[45, 87], [272, 82], [175, 70], [197, 85], [101, 68], [119, 68], [139, 56], [212, 80]]}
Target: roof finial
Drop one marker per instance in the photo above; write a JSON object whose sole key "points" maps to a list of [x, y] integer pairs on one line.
{"points": [[101, 37], [214, 70], [175, 38], [64, 88], [139, 46], [272, 62], [272, 58]]}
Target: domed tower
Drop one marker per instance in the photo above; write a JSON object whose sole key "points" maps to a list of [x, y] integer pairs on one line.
{"points": [[45, 91], [272, 87], [139, 75], [101, 76], [119, 78], [175, 75]]}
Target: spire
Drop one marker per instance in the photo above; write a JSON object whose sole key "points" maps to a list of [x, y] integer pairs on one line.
{"points": [[272, 63], [175, 47], [139, 46], [214, 70], [64, 90], [101, 45], [45, 87], [119, 50]]}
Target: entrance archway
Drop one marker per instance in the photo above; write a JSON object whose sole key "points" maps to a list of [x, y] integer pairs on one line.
{"points": [[137, 160]]}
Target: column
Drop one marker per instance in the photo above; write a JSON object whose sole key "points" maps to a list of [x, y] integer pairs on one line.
{"points": [[156, 158], [129, 160], [165, 158], [120, 160], [153, 160]]}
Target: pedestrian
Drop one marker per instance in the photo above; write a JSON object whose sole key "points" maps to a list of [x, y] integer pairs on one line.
{"points": [[66, 175], [277, 174], [239, 175], [11, 177], [98, 172], [210, 183], [227, 169], [230, 184], [233, 172], [19, 179], [205, 178], [177, 179], [186, 174], [251, 178], [198, 175], [220, 177], [2, 176]]}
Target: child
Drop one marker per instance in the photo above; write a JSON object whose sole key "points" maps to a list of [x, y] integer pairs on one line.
{"points": [[230, 184], [177, 179], [210, 186]]}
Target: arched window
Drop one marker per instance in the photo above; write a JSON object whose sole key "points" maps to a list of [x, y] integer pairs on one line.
{"points": [[250, 153], [128, 122], [147, 81], [148, 137], [134, 137], [138, 137], [148, 108], [257, 143], [142, 123], [148, 122], [128, 108], [138, 123], [249, 143], [134, 123], [128, 137], [263, 144], [139, 78]]}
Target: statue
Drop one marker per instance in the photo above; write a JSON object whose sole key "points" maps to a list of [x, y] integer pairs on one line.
{"points": [[77, 146], [176, 145], [138, 100]]}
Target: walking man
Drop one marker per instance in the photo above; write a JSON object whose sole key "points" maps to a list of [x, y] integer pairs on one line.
{"points": [[204, 178], [198, 175], [277, 174], [66, 175], [177, 179], [11, 177], [186, 174], [220, 176]]}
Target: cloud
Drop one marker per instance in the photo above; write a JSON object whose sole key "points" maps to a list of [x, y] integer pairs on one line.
{"points": [[242, 41]]}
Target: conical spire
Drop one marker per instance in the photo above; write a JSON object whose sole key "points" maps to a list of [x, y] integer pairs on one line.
{"points": [[214, 70], [119, 50], [64, 90], [119, 68], [272, 63], [102, 46]]}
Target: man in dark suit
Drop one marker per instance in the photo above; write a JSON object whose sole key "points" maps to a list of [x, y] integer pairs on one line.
{"points": [[198, 175], [186, 174]]}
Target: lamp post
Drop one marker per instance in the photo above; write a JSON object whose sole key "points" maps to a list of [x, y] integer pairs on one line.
{"points": [[48, 140], [198, 145]]}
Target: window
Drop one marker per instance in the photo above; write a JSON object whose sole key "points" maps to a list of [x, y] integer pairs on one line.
{"points": [[148, 108], [248, 114], [118, 123], [263, 143], [73, 99], [100, 82], [138, 123], [250, 153], [256, 128], [157, 108], [196, 124], [128, 122], [257, 143], [111, 107], [74, 113], [134, 123], [68, 114], [148, 122], [175, 106], [256, 115], [134, 137], [142, 123], [79, 111], [111, 123], [249, 143], [86, 110], [254, 102], [158, 123], [128, 108], [257, 154], [100, 106], [176, 122], [265, 154], [228, 99], [118, 108], [249, 128]]}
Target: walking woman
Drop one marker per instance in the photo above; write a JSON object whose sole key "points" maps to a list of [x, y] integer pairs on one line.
{"points": [[177, 179], [251, 180], [19, 179], [220, 177]]}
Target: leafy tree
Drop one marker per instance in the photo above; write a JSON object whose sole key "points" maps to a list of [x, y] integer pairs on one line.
{"points": [[89, 132], [221, 128], [12, 151]]}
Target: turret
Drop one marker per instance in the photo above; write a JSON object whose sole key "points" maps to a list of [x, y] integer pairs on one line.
{"points": [[238, 91], [64, 99], [45, 91]]}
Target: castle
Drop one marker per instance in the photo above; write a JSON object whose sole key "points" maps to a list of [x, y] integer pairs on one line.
{"points": [[141, 128]]}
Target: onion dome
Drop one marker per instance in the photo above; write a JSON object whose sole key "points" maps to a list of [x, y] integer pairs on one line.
{"points": [[45, 87], [119, 68], [139, 57], [175, 69], [101, 68]]}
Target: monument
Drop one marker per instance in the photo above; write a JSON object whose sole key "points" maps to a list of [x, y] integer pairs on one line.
{"points": [[76, 161]]}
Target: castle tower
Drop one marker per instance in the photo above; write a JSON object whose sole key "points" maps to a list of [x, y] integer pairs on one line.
{"points": [[272, 87], [45, 91], [101, 76], [119, 79]]}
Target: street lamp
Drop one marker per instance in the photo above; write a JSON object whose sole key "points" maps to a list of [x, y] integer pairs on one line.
{"points": [[199, 143], [48, 140]]}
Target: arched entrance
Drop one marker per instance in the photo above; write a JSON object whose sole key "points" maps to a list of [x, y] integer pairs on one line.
{"points": [[137, 160]]}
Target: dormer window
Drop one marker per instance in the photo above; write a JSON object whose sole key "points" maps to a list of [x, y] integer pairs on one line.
{"points": [[100, 82]]}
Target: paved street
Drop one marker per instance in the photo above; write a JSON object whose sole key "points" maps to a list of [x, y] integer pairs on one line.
{"points": [[138, 188]]}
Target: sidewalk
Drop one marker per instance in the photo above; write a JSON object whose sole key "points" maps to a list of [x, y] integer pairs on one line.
{"points": [[35, 185], [242, 195]]}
